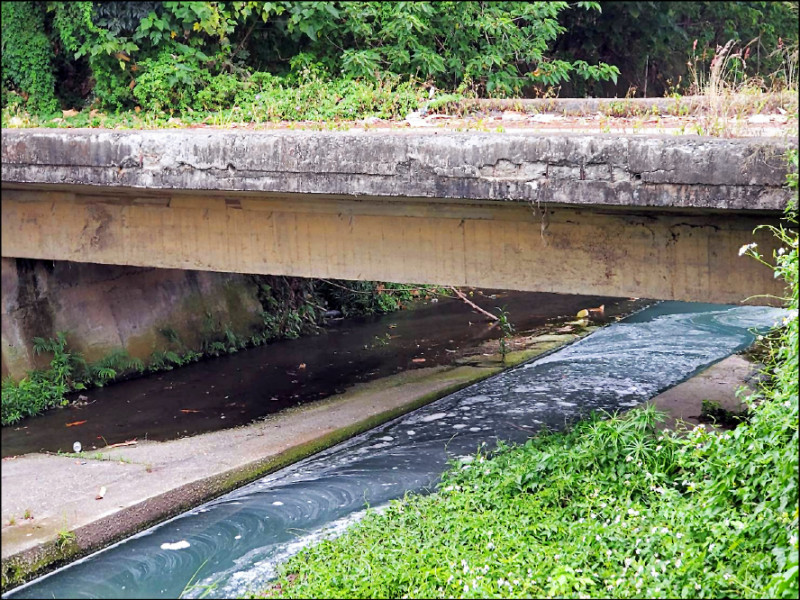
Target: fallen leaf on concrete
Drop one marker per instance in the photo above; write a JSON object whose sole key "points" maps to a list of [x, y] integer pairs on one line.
{"points": [[101, 493], [417, 360], [582, 314], [75, 423]]}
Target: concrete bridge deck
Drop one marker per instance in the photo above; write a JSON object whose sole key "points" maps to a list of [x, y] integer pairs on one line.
{"points": [[656, 216]]}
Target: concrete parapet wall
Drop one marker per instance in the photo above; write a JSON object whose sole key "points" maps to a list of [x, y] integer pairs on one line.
{"points": [[573, 169], [105, 308]]}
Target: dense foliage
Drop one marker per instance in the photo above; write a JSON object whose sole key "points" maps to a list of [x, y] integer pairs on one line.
{"points": [[199, 55], [651, 43], [611, 508]]}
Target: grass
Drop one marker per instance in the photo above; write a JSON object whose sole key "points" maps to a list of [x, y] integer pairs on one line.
{"points": [[610, 508]]}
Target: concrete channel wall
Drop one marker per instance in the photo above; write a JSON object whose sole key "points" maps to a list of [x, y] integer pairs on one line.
{"points": [[107, 308]]}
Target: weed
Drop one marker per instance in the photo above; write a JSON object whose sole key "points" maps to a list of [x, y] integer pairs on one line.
{"points": [[27, 515], [712, 412], [64, 539], [506, 330]]}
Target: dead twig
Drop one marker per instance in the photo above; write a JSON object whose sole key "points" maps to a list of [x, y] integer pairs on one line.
{"points": [[461, 295]]}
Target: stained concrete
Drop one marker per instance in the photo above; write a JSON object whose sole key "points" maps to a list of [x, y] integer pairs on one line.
{"points": [[574, 169], [107, 308], [718, 384], [660, 217]]}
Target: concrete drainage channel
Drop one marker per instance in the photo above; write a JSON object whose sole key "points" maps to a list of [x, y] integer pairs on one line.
{"points": [[152, 481], [231, 545]]}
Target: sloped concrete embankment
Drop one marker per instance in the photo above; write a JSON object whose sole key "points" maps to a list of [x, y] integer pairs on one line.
{"points": [[151, 481]]}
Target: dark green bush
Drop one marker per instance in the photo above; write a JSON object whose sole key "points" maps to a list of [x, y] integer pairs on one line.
{"points": [[27, 55]]}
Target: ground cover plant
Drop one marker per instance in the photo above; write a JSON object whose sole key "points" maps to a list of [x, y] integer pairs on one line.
{"points": [[610, 508]]}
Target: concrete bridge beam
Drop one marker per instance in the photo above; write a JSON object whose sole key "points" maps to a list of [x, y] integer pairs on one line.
{"points": [[660, 217]]}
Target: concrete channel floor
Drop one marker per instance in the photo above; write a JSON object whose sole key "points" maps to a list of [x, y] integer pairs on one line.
{"points": [[147, 482]]}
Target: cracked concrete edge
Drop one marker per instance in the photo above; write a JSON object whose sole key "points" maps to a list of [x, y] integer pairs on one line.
{"points": [[573, 168]]}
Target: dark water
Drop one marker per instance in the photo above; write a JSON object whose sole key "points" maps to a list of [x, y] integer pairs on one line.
{"points": [[237, 389], [232, 545]]}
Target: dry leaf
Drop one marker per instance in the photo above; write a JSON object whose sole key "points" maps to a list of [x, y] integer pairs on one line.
{"points": [[302, 366], [599, 311], [189, 410], [75, 423], [417, 360], [582, 314]]}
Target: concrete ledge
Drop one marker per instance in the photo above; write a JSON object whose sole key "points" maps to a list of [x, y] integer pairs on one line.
{"points": [[572, 169]]}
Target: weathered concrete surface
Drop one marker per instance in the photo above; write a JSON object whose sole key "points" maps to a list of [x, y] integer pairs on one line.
{"points": [[658, 217], [501, 245], [683, 403], [573, 169], [105, 308]]}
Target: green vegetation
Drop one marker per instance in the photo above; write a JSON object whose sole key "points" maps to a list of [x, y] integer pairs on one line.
{"points": [[610, 508], [651, 42], [276, 60], [506, 329], [65, 539]]}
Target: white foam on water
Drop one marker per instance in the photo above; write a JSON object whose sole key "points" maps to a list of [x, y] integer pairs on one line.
{"points": [[176, 546], [433, 417]]}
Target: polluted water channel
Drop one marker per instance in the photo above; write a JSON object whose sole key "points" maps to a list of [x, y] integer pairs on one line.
{"points": [[240, 388], [234, 544]]}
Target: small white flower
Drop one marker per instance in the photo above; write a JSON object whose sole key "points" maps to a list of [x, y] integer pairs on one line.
{"points": [[745, 248], [726, 576], [697, 586], [679, 535]]}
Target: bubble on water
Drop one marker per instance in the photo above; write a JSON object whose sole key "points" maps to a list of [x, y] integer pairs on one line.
{"points": [[277, 503]]}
